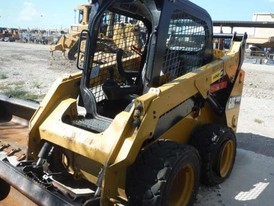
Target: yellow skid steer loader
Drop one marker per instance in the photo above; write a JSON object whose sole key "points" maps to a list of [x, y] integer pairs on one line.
{"points": [[143, 122]]}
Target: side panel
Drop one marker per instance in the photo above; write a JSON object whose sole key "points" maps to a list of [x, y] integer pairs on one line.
{"points": [[61, 89], [234, 101]]}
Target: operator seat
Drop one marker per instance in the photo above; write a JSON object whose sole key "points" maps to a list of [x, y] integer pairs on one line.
{"points": [[122, 91]]}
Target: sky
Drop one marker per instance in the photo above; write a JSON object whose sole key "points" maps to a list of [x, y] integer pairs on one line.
{"points": [[58, 14], [241, 10], [43, 14]]}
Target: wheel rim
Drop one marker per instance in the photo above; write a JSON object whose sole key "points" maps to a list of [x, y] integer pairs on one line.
{"points": [[182, 186], [226, 158]]}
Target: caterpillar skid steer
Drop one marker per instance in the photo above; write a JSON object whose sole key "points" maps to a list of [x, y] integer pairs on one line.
{"points": [[141, 124]]}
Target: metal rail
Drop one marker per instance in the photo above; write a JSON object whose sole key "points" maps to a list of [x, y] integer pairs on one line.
{"points": [[232, 24]]}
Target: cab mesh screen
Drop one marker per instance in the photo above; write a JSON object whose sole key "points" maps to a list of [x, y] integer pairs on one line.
{"points": [[185, 46], [116, 32]]}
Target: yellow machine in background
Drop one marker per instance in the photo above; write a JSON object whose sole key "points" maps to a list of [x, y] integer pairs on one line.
{"points": [[153, 111], [70, 43]]}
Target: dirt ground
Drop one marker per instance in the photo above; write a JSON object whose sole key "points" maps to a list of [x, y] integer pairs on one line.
{"points": [[257, 106], [27, 71]]}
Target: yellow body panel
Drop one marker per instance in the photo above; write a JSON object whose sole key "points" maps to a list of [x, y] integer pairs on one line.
{"points": [[62, 89], [233, 105]]}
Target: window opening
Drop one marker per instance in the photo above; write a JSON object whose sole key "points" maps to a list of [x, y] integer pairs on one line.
{"points": [[185, 46]]}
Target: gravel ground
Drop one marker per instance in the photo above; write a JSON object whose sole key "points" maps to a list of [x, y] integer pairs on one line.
{"points": [[257, 106], [28, 70]]}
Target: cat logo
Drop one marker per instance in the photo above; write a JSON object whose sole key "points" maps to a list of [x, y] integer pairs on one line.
{"points": [[217, 75]]}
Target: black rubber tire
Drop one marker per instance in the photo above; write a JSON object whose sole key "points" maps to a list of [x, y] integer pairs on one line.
{"points": [[211, 140], [4, 189], [154, 175]]}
